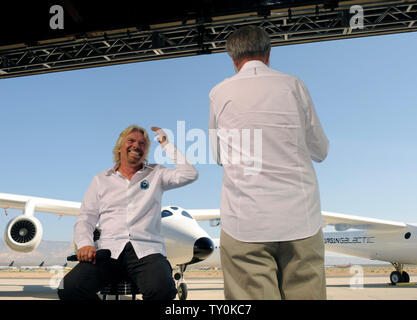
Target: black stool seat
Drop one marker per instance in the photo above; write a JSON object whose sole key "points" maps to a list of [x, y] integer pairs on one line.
{"points": [[122, 287]]}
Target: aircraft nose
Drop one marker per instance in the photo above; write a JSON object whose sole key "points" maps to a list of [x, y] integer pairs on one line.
{"points": [[203, 247]]}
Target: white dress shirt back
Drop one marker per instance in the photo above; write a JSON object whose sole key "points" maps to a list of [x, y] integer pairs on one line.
{"points": [[274, 197]]}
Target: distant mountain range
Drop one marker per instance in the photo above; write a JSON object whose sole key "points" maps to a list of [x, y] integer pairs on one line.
{"points": [[52, 252]]}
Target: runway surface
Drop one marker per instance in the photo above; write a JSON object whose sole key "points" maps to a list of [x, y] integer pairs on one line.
{"points": [[338, 288]]}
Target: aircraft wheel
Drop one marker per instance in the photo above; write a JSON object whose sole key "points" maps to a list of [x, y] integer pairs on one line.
{"points": [[395, 277], [405, 277], [182, 291]]}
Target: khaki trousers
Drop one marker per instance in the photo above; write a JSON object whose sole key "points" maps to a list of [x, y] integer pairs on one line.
{"points": [[290, 270]]}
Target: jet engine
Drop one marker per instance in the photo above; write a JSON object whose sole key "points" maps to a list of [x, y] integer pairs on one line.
{"points": [[23, 233]]}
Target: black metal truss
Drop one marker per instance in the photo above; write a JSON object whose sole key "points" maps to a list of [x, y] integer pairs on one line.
{"points": [[296, 25]]}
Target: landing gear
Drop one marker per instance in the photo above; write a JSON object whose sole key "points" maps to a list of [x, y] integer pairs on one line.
{"points": [[395, 277], [180, 282], [399, 276], [182, 291]]}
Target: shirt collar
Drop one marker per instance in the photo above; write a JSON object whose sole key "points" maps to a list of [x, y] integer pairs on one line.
{"points": [[253, 64], [113, 170]]}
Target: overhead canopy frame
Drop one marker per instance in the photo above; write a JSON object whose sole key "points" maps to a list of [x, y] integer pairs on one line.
{"points": [[188, 31]]}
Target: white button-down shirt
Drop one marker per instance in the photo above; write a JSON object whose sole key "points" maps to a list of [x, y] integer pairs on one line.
{"points": [[130, 210], [272, 193]]}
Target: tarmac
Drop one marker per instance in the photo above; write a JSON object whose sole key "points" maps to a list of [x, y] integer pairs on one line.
{"points": [[32, 286]]}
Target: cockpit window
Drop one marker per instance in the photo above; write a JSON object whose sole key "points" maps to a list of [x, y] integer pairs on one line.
{"points": [[174, 208], [166, 213], [186, 214]]}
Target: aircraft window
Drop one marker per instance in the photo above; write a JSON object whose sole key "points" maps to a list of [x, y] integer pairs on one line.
{"points": [[166, 213], [174, 208], [186, 214]]}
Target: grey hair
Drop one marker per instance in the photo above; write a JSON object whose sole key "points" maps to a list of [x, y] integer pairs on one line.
{"points": [[248, 42]]}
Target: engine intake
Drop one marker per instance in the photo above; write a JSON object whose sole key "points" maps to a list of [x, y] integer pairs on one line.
{"points": [[23, 233]]}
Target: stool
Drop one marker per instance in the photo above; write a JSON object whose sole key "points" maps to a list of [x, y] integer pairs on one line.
{"points": [[122, 287]]}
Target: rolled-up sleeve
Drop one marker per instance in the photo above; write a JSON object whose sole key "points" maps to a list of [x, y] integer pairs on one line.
{"points": [[88, 216], [183, 174]]}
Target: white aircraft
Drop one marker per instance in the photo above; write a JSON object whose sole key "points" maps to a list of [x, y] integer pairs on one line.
{"points": [[375, 239], [40, 266], [10, 266], [186, 242]]}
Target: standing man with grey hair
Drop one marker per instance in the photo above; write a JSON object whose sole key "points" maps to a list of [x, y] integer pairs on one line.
{"points": [[271, 239], [126, 203]]}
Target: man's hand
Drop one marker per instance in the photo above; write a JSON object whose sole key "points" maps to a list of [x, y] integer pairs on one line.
{"points": [[86, 254], [162, 136]]}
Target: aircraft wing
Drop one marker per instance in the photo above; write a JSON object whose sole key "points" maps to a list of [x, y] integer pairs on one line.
{"points": [[204, 214], [339, 220], [346, 221], [58, 207], [71, 208]]}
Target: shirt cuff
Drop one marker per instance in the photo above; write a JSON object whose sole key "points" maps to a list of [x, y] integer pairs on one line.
{"points": [[84, 243]]}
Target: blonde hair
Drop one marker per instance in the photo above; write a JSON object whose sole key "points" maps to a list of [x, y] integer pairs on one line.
{"points": [[122, 136]]}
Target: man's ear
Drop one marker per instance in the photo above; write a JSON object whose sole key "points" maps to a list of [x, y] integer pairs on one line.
{"points": [[235, 63], [267, 57], [121, 145]]}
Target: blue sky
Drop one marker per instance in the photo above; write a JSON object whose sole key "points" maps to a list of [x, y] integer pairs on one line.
{"points": [[57, 130]]}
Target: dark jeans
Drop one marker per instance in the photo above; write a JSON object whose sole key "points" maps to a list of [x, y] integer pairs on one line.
{"points": [[152, 275]]}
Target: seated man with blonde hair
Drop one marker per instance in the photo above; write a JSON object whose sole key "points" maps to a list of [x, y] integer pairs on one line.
{"points": [[125, 201]]}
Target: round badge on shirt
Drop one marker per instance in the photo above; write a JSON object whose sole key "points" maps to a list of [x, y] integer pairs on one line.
{"points": [[144, 185]]}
